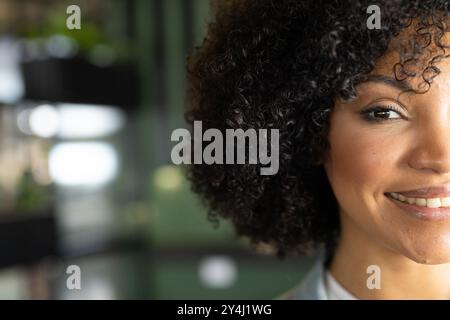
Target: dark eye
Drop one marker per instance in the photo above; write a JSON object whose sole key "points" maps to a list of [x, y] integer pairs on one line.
{"points": [[381, 114]]}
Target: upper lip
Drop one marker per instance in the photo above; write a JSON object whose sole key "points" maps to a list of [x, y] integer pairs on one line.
{"points": [[439, 191]]}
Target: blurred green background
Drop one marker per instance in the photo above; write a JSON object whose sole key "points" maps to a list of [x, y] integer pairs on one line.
{"points": [[85, 173]]}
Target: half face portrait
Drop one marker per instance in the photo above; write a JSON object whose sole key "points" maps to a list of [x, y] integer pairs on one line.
{"points": [[364, 144], [389, 162]]}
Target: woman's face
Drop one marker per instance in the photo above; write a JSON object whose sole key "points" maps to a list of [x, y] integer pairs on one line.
{"points": [[376, 151]]}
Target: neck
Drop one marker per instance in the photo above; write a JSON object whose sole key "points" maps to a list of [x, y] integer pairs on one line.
{"points": [[401, 277]]}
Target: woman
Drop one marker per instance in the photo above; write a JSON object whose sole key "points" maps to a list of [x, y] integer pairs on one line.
{"points": [[364, 119]]}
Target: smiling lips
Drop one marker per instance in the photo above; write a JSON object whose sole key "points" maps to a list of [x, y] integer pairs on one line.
{"points": [[423, 202], [432, 197], [428, 203]]}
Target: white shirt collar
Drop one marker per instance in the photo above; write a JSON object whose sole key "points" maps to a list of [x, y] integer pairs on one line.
{"points": [[334, 289]]}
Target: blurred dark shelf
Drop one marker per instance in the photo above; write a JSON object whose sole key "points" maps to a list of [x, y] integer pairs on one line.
{"points": [[26, 238], [111, 246], [78, 81]]}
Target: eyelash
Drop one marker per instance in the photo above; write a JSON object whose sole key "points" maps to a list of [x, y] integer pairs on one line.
{"points": [[366, 114]]}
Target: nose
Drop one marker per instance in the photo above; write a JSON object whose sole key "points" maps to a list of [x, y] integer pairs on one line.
{"points": [[432, 152]]}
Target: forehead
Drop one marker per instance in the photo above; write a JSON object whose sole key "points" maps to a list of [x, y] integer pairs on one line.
{"points": [[397, 59], [389, 67]]}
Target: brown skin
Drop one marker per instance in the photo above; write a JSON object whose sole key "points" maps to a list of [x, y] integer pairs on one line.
{"points": [[366, 160]]}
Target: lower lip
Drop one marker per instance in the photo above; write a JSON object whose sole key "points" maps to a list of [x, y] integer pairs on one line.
{"points": [[423, 213]]}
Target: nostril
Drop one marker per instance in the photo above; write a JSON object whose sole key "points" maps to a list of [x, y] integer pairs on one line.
{"points": [[439, 167]]}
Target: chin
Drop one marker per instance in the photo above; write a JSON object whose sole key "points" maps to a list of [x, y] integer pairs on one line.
{"points": [[431, 253], [430, 260]]}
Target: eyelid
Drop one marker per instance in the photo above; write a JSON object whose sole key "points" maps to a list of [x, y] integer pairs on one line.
{"points": [[378, 102], [390, 104], [388, 108]]}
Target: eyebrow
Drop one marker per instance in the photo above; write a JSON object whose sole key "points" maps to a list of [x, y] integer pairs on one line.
{"points": [[390, 81]]}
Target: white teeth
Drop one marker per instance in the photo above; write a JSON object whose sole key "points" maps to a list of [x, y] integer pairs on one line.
{"points": [[430, 203], [433, 203], [421, 202], [445, 202]]}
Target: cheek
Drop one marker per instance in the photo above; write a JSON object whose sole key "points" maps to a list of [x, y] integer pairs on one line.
{"points": [[363, 157]]}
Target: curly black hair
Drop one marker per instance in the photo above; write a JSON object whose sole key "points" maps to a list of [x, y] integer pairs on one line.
{"points": [[280, 64]]}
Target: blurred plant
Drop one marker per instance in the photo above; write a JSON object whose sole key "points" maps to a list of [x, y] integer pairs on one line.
{"points": [[92, 35], [30, 195]]}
